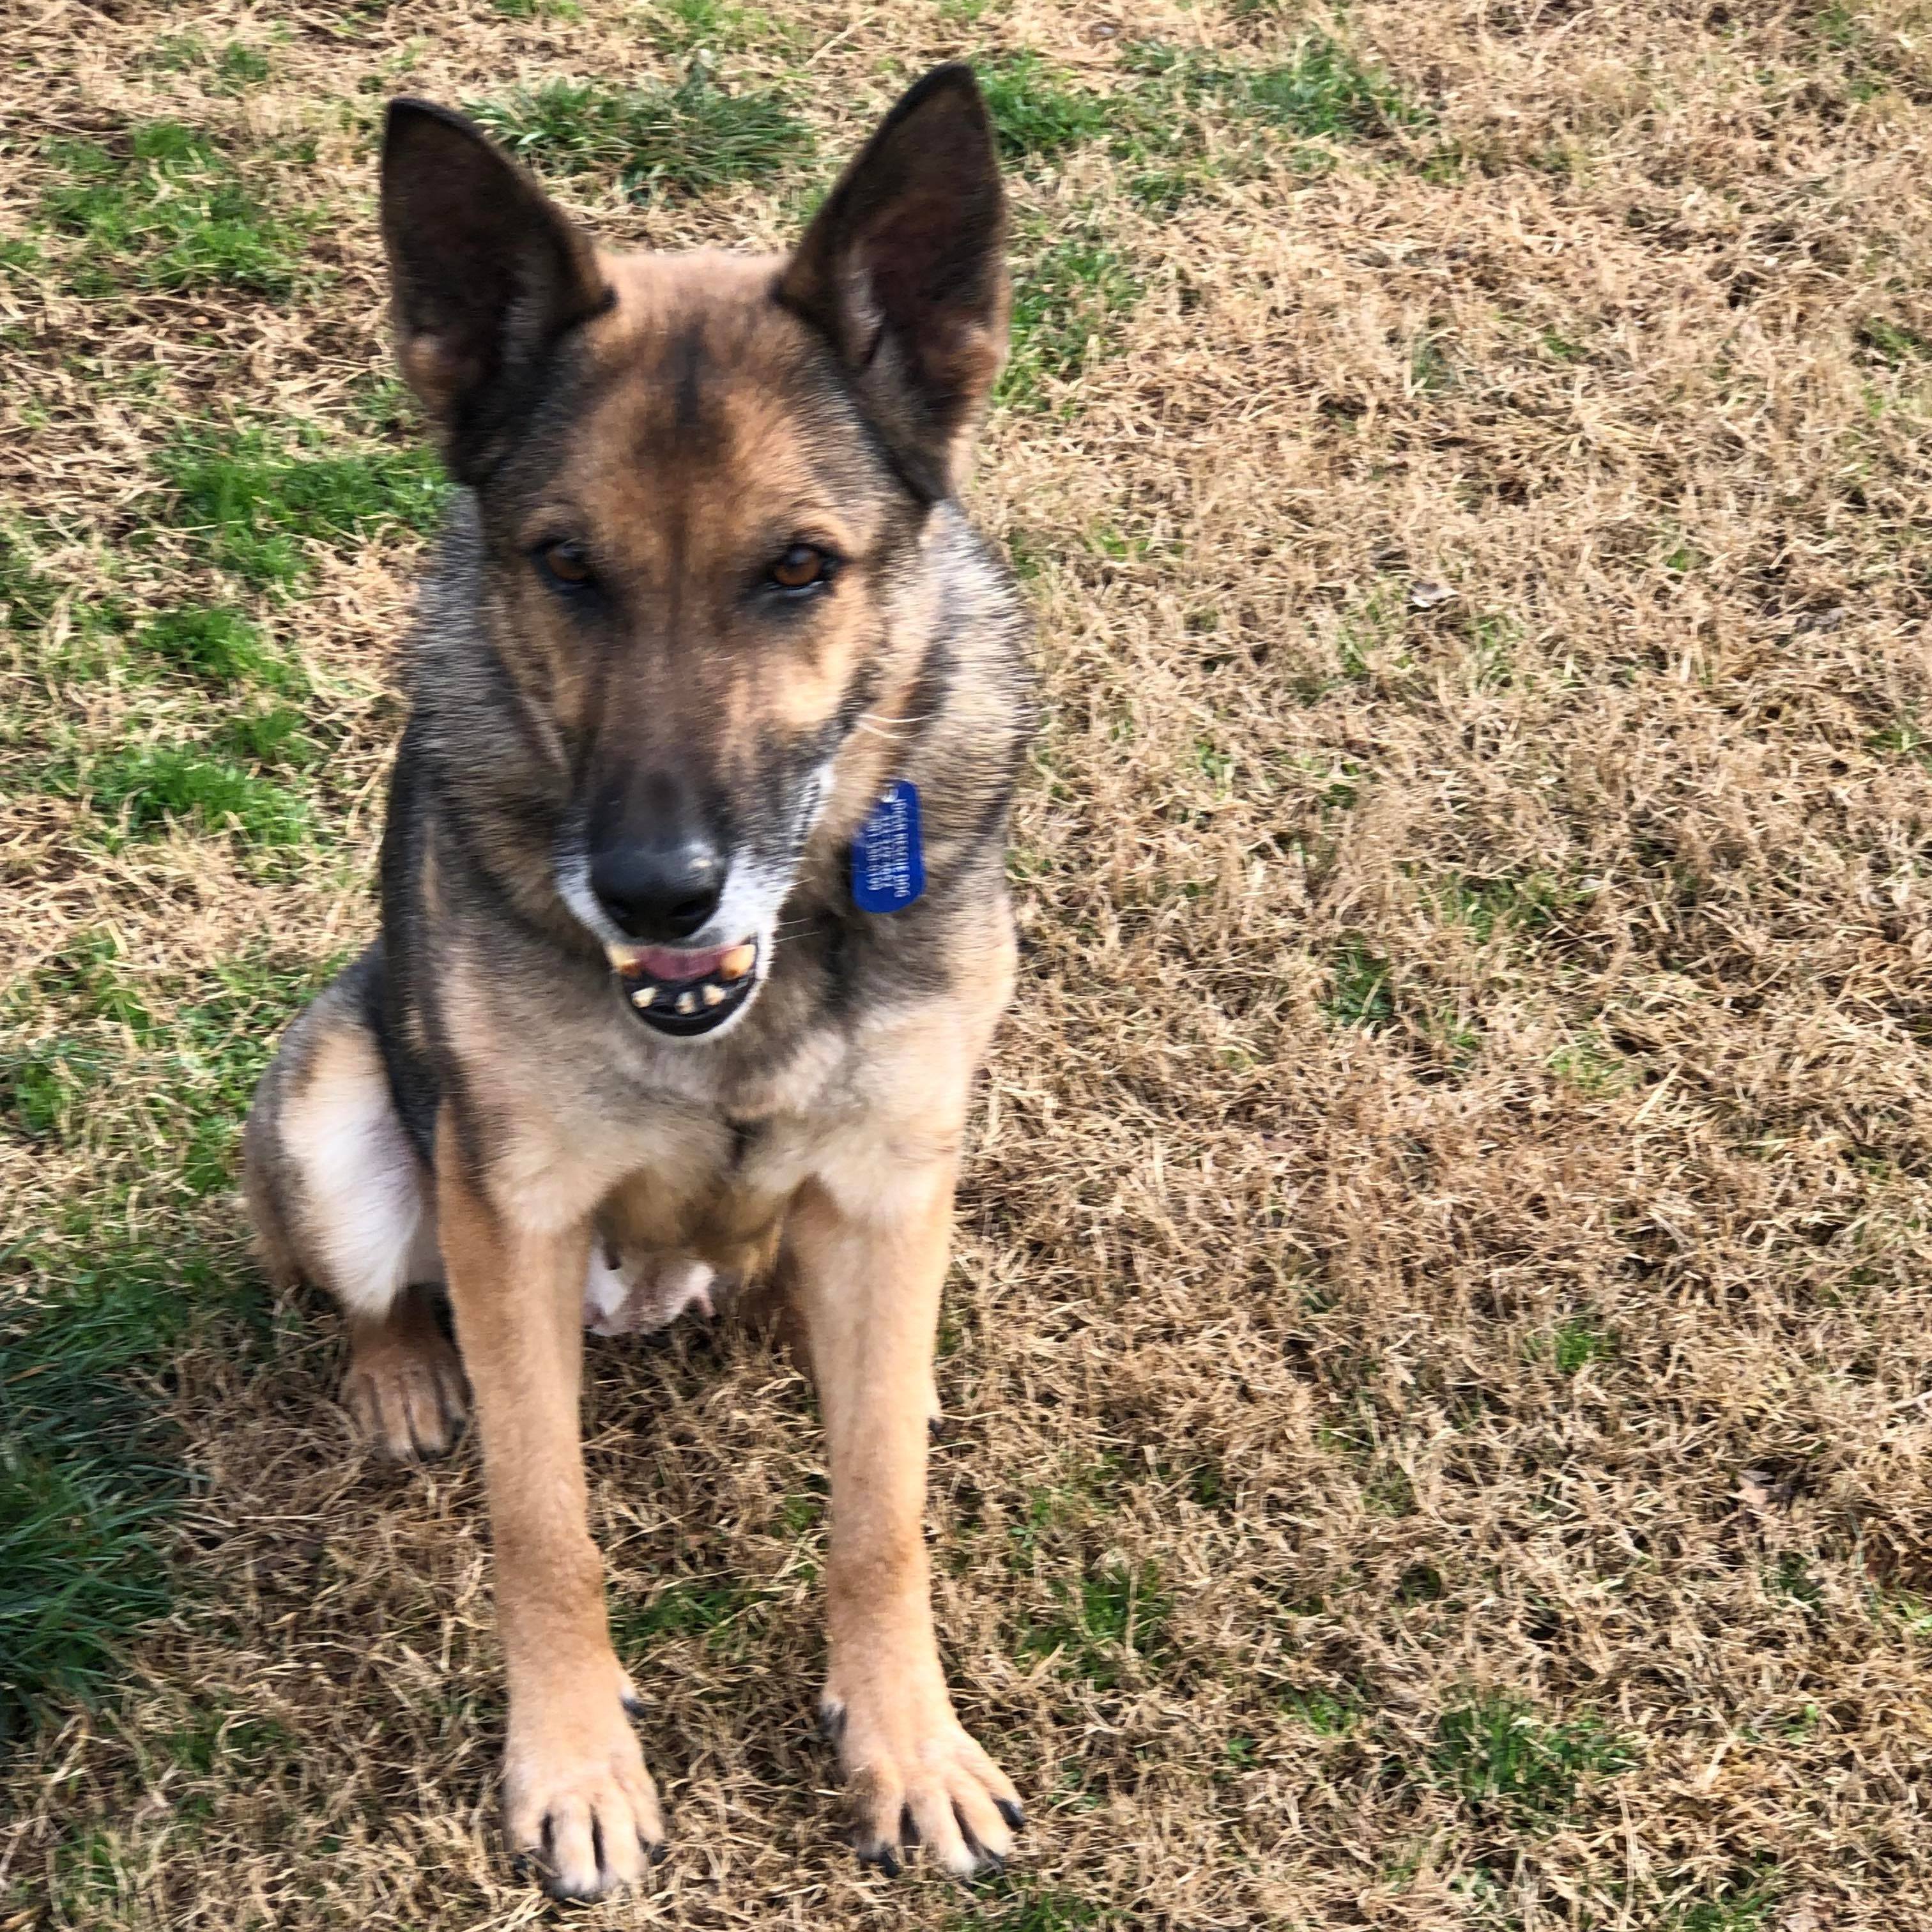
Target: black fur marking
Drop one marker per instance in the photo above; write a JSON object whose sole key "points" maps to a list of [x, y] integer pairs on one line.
{"points": [[860, 693], [687, 365], [937, 671]]}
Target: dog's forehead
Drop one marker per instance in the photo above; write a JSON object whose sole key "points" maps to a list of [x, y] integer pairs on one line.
{"points": [[707, 387]]}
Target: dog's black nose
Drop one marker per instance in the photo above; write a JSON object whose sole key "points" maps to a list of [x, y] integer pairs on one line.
{"points": [[662, 892]]}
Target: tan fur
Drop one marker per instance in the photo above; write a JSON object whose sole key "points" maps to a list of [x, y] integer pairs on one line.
{"points": [[572, 1759]]}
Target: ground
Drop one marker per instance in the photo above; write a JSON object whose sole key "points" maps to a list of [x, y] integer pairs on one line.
{"points": [[1437, 1385]]}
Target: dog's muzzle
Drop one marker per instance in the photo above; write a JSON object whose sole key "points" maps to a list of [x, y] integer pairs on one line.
{"points": [[683, 993]]}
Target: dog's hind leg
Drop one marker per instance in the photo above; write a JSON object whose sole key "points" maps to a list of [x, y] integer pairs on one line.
{"points": [[340, 1198]]}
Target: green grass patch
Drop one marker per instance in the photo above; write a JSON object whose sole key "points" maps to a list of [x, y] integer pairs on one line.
{"points": [[1499, 1755], [699, 1611], [28, 593], [142, 791], [654, 140], [1790, 1578], [240, 66], [276, 739], [1389, 1490], [195, 1061], [43, 1085], [1069, 301], [257, 505], [89, 1473], [87, 980], [1113, 1614], [79, 1571], [1529, 902], [1089, 1489], [688, 25], [1579, 1342], [176, 53], [1891, 342], [1037, 108], [215, 1736], [1326, 1714], [167, 210], [1369, 638], [1592, 1065], [1746, 1911], [1324, 91], [217, 644], [1904, 737], [31, 592], [1004, 1904], [1361, 994]]}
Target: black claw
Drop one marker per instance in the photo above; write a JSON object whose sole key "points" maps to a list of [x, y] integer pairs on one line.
{"points": [[832, 1722], [881, 1856], [908, 1826], [1011, 1812], [634, 1705], [992, 1863], [658, 1850]]}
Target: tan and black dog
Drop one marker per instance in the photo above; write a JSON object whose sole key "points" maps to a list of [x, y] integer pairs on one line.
{"points": [[643, 1020]]}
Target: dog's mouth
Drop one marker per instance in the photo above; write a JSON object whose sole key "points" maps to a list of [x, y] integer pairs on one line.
{"points": [[684, 993]]}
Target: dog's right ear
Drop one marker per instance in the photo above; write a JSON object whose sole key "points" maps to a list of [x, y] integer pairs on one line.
{"points": [[488, 273]]}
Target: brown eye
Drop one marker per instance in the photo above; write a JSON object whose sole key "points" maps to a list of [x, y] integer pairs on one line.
{"points": [[800, 568], [565, 563]]}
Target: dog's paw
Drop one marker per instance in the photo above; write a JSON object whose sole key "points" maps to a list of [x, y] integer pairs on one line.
{"points": [[578, 1804], [914, 1777], [405, 1390]]}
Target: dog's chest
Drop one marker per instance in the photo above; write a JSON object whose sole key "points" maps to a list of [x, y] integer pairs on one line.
{"points": [[717, 1188]]}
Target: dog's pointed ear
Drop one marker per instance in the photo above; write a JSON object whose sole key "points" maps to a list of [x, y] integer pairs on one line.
{"points": [[904, 269], [487, 272]]}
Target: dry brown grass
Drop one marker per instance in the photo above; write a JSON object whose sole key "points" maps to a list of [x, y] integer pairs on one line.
{"points": [[1449, 1223]]}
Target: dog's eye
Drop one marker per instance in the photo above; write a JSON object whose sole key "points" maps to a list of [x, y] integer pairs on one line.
{"points": [[801, 567], [565, 563]]}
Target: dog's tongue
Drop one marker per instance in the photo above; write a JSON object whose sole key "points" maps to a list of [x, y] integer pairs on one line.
{"points": [[675, 963]]}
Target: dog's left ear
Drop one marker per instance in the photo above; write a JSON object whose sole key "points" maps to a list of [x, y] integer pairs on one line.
{"points": [[904, 269]]}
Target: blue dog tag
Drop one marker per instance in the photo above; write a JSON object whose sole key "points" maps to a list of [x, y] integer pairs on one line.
{"points": [[888, 860]]}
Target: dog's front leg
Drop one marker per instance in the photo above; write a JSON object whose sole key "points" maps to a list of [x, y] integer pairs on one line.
{"points": [[576, 1794], [869, 1275]]}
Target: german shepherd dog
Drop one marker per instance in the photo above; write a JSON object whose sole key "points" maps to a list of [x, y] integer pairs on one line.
{"points": [[649, 1015]]}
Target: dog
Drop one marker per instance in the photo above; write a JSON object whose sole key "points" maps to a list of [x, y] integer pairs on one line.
{"points": [[694, 927]]}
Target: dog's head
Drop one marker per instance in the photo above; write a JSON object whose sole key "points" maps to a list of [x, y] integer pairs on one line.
{"points": [[701, 485]]}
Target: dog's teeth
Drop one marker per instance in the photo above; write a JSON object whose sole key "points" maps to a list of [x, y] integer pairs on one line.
{"points": [[642, 996], [714, 995], [687, 1002], [737, 962]]}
